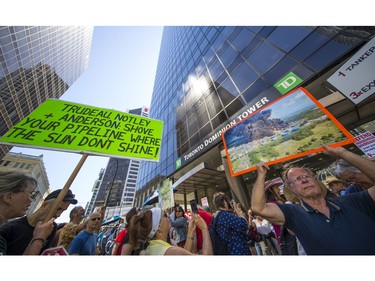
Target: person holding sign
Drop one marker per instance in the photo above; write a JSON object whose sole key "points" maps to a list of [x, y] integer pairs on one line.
{"points": [[324, 225], [149, 234], [31, 235], [17, 191]]}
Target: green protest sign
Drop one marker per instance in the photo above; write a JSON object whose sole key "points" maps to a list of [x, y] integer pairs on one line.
{"points": [[67, 126]]}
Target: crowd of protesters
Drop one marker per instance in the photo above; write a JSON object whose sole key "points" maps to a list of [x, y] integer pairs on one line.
{"points": [[293, 215]]}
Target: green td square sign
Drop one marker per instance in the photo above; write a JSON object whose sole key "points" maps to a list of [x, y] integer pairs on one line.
{"points": [[287, 83], [178, 163]]}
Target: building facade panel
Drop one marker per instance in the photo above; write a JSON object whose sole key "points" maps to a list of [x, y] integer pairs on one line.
{"points": [[37, 63]]}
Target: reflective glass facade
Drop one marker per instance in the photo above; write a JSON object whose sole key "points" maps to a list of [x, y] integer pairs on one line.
{"points": [[206, 75], [118, 186], [37, 63]]}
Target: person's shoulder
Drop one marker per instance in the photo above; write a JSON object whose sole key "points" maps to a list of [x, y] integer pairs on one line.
{"points": [[353, 189], [82, 234], [17, 222], [290, 206]]}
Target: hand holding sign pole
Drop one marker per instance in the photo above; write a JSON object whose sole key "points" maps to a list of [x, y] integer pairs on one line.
{"points": [[64, 190]]}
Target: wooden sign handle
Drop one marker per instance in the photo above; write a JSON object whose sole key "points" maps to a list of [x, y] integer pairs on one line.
{"points": [[65, 189]]}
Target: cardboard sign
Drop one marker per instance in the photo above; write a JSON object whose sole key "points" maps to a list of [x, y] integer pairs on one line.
{"points": [[56, 251], [67, 126], [366, 143], [290, 127]]}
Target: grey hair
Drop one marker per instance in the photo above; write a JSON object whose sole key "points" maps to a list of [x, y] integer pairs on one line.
{"points": [[341, 166], [14, 182]]}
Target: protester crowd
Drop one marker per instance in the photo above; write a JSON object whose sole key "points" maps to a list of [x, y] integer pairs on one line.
{"points": [[306, 217]]}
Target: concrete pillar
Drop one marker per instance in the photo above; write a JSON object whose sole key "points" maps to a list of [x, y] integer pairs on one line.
{"points": [[236, 184]]}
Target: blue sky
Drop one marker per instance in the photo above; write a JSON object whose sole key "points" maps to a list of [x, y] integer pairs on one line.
{"points": [[120, 76]]}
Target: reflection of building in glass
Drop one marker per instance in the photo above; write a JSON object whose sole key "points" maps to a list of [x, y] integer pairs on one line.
{"points": [[32, 166], [37, 63], [95, 188], [118, 184], [210, 77]]}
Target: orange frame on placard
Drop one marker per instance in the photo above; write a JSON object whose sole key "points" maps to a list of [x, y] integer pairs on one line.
{"points": [[350, 139]]}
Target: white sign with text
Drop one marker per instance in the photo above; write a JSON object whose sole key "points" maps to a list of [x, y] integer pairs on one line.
{"points": [[356, 78], [366, 143]]}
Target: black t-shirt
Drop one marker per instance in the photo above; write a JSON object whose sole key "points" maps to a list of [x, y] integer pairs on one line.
{"points": [[16, 235]]}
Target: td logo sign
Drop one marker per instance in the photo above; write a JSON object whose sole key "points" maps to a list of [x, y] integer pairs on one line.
{"points": [[178, 163], [287, 83]]}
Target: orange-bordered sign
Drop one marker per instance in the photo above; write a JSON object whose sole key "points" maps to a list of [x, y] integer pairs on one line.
{"points": [[290, 127]]}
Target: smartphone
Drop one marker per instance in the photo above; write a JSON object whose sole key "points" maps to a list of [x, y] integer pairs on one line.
{"points": [[194, 207]]}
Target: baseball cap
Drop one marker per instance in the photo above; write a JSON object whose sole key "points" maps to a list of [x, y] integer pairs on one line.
{"points": [[69, 196]]}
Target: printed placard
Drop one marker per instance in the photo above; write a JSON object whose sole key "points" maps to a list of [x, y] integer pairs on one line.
{"points": [[166, 198], [356, 77], [366, 143], [290, 127], [67, 126], [56, 251]]}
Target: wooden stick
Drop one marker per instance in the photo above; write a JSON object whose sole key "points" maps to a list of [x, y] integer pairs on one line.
{"points": [[65, 189]]}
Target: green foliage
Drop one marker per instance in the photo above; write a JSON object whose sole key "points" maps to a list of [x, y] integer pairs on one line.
{"points": [[302, 133]]}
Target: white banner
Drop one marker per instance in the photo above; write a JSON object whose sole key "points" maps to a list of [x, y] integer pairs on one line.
{"points": [[356, 78], [366, 143]]}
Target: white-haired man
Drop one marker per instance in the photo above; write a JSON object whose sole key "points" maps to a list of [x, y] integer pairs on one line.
{"points": [[324, 226]]}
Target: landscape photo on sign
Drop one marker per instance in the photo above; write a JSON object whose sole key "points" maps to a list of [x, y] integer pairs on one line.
{"points": [[72, 127], [166, 198], [290, 127]]}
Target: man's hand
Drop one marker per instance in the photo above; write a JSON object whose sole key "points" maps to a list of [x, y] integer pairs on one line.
{"points": [[334, 151], [262, 168], [43, 229]]}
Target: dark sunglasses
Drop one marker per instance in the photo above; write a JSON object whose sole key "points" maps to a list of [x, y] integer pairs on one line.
{"points": [[95, 219]]}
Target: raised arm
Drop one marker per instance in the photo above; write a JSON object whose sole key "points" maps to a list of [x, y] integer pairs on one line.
{"points": [[41, 232], [270, 211], [207, 244], [366, 166]]}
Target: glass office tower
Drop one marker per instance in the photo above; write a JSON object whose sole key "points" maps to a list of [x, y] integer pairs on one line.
{"points": [[37, 63], [210, 76], [118, 185]]}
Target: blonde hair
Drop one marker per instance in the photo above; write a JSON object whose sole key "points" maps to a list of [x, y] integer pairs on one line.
{"points": [[14, 182]]}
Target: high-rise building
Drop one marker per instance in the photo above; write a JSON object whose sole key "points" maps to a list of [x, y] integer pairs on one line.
{"points": [[118, 185], [32, 166], [210, 76], [37, 63]]}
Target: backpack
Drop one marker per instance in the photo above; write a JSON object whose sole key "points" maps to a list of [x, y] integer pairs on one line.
{"points": [[219, 246]]}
